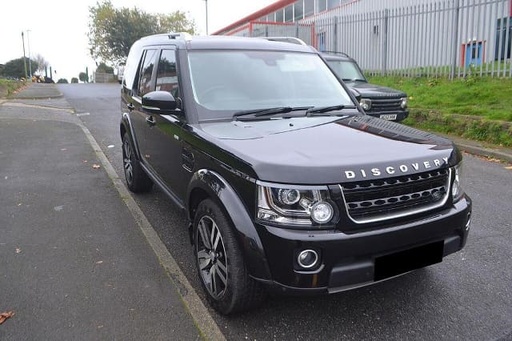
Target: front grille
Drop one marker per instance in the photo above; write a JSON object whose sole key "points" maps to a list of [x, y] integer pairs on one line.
{"points": [[376, 200], [386, 104]]}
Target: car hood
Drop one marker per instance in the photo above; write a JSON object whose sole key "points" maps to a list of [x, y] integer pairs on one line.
{"points": [[327, 150], [372, 90]]}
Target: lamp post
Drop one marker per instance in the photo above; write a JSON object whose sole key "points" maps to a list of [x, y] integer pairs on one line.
{"points": [[29, 58], [206, 5], [24, 58]]}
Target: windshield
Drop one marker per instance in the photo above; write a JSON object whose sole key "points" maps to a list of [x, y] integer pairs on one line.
{"points": [[224, 82], [346, 70]]}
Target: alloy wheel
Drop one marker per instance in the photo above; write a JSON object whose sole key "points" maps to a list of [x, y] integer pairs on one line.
{"points": [[211, 257], [127, 161]]}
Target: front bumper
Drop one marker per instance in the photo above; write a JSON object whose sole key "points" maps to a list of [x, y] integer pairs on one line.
{"points": [[352, 260]]}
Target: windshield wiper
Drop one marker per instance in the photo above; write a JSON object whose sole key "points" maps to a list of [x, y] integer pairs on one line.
{"points": [[322, 110], [268, 111]]}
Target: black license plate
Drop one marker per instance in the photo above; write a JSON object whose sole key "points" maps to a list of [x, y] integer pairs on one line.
{"points": [[404, 261]]}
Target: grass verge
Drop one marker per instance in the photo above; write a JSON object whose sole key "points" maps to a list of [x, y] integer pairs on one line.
{"points": [[8, 87], [477, 108]]}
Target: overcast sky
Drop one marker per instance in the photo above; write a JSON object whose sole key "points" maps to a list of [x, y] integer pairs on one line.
{"points": [[57, 29]]}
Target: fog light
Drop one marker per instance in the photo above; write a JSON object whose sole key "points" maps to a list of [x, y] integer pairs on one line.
{"points": [[322, 212], [307, 259]]}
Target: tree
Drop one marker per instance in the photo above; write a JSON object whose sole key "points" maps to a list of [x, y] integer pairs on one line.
{"points": [[42, 64], [16, 68], [175, 22], [112, 31], [83, 77], [104, 68]]}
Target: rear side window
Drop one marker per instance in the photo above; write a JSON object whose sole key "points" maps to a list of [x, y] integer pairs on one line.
{"points": [[146, 72], [167, 75]]}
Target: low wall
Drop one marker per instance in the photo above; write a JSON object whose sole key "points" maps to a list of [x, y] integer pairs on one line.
{"points": [[100, 77]]}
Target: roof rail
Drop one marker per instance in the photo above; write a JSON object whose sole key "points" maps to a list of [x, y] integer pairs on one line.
{"points": [[336, 52], [180, 35], [292, 40]]}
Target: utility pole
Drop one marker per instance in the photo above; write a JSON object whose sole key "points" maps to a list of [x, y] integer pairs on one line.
{"points": [[29, 57], [206, 5], [24, 58]]}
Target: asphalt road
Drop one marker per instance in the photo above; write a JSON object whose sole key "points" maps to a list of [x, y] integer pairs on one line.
{"points": [[466, 297]]}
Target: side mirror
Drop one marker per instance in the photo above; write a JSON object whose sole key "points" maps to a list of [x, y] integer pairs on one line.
{"points": [[159, 102]]}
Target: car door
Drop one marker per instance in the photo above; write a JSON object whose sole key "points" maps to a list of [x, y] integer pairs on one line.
{"points": [[144, 83], [165, 151]]}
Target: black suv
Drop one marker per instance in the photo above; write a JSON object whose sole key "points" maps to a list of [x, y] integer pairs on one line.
{"points": [[288, 185], [376, 100]]}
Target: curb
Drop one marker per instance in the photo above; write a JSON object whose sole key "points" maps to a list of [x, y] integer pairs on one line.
{"points": [[37, 91], [486, 152], [59, 95]]}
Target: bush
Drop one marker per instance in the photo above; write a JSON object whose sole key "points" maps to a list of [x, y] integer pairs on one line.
{"points": [[62, 81], [74, 80]]}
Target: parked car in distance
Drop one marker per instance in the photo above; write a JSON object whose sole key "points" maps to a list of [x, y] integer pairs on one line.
{"points": [[378, 101], [120, 72], [288, 186]]}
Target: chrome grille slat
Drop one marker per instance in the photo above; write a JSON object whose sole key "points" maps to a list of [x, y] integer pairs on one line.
{"points": [[376, 200]]}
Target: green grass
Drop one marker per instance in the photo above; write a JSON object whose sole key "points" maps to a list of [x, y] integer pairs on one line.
{"points": [[486, 97], [8, 87], [478, 108]]}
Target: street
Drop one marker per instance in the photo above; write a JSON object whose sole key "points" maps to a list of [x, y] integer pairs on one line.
{"points": [[466, 297]]}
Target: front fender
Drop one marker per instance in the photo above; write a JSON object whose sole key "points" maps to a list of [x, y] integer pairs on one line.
{"points": [[249, 241]]}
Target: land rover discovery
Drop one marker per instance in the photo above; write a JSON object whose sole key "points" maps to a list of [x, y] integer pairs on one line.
{"points": [[376, 100], [287, 184]]}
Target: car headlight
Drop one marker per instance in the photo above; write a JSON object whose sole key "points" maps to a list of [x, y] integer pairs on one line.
{"points": [[457, 191], [295, 206], [403, 103], [366, 104]]}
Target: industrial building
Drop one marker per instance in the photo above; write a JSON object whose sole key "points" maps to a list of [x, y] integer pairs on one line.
{"points": [[406, 37]]}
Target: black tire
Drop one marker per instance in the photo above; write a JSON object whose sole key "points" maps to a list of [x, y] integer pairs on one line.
{"points": [[136, 179], [220, 263]]}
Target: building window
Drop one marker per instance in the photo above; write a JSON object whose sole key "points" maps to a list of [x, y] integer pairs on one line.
{"points": [[279, 16], [309, 8], [288, 14], [321, 6], [332, 3], [271, 17], [298, 10]]}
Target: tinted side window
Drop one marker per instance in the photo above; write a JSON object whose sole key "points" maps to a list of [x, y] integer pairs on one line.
{"points": [[167, 75], [146, 72]]}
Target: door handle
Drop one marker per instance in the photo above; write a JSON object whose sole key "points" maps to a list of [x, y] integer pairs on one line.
{"points": [[130, 106], [150, 121]]}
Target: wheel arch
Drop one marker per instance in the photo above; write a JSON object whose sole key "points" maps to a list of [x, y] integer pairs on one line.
{"points": [[126, 127], [209, 184]]}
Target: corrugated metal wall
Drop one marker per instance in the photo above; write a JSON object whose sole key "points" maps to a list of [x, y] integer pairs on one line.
{"points": [[411, 37]]}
